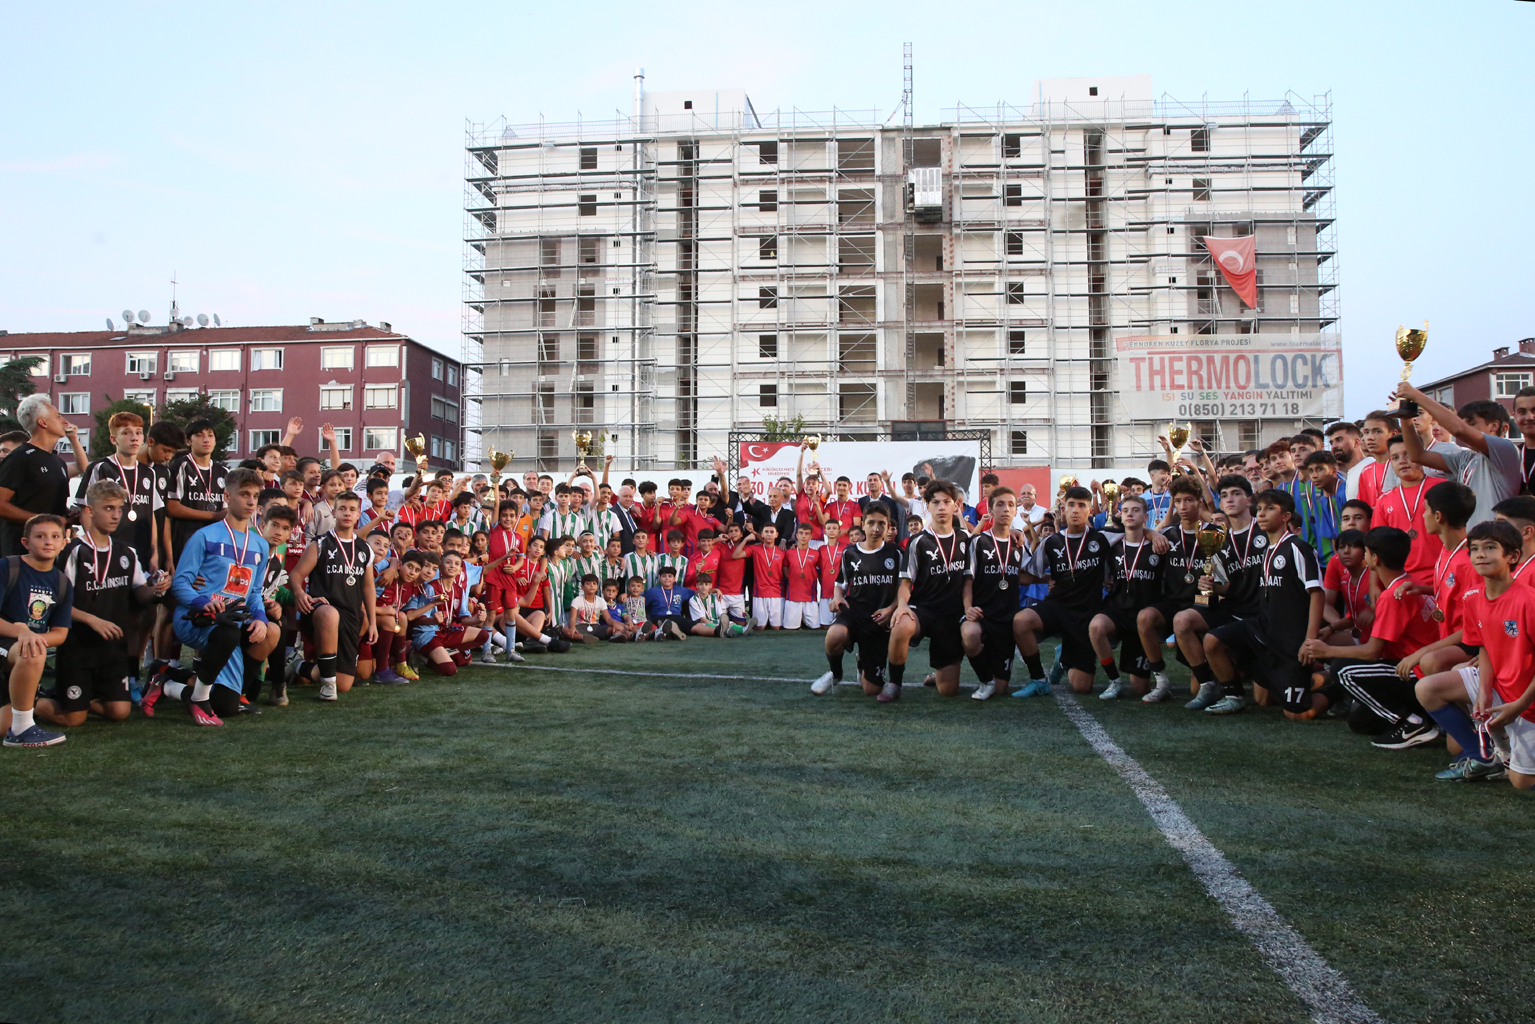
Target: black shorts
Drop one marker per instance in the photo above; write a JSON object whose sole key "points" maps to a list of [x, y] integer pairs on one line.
{"points": [[1221, 614], [1071, 627], [998, 645], [871, 639], [1277, 670], [348, 638], [1132, 658], [941, 628], [1169, 609], [84, 675]]}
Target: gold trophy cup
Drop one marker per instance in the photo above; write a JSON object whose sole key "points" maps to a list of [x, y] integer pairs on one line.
{"points": [[416, 446], [1111, 495], [1178, 436], [1067, 483], [1210, 538], [583, 439], [813, 441], [1410, 343], [498, 460]]}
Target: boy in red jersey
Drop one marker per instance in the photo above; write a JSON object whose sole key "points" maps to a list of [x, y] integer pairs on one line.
{"points": [[1450, 507], [831, 563], [1346, 611], [1403, 506], [1498, 689], [810, 503], [802, 566], [767, 575], [730, 580]]}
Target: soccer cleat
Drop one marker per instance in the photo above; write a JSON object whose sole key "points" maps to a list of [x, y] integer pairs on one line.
{"points": [[1159, 681], [1158, 693], [1058, 670], [487, 657], [403, 668], [1469, 769], [204, 716], [327, 692], [34, 736], [889, 692], [824, 683], [1113, 690], [1227, 705], [589, 638], [1209, 694], [513, 658], [748, 626], [279, 695], [152, 696], [1407, 735], [534, 647], [984, 691], [559, 646], [931, 679], [674, 631], [1033, 688], [388, 677]]}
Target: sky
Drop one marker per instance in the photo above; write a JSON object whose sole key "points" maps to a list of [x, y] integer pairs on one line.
{"points": [[287, 160]]}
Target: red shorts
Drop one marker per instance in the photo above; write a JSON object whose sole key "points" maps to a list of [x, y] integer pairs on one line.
{"points": [[447, 637], [499, 598]]}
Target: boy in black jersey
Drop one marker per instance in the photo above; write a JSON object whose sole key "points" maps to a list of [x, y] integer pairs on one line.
{"points": [[931, 599], [863, 600], [1180, 573], [196, 489], [109, 586], [991, 596], [1135, 582], [338, 606], [1234, 589], [1076, 560], [1289, 613]]}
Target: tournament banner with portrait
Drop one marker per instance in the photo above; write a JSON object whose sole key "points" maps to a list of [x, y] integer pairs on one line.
{"points": [[1231, 376], [959, 461]]}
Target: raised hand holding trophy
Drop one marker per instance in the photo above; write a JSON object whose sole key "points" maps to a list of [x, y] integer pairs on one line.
{"points": [[583, 440], [416, 446], [1210, 538], [1410, 343]]}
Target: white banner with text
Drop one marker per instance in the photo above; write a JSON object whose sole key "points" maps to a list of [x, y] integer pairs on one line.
{"points": [[1231, 376], [959, 461]]}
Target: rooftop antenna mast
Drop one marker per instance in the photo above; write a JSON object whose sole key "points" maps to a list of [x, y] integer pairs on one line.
{"points": [[908, 204], [175, 311]]}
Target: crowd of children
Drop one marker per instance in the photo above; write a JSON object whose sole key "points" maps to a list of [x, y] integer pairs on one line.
{"points": [[1371, 571]]}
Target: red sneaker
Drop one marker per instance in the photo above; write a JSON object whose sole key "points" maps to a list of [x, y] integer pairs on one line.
{"points": [[152, 695], [204, 716]]}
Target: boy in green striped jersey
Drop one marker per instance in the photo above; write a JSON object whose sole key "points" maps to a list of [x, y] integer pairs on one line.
{"points": [[673, 555], [642, 562], [563, 521]]}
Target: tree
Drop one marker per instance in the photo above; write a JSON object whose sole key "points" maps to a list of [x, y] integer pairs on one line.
{"points": [[185, 410], [775, 429], [16, 383], [101, 437]]}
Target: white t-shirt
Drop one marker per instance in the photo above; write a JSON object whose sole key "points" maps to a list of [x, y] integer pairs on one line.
{"points": [[1354, 475], [586, 613], [1032, 515]]}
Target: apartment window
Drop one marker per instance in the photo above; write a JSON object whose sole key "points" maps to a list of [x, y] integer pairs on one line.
{"points": [[586, 305], [436, 449], [182, 362], [548, 348], [1015, 343], [266, 400], [1012, 147], [767, 396], [335, 398], [587, 205], [586, 348], [379, 397], [41, 369], [1247, 434], [1201, 190], [223, 359], [1505, 385], [767, 247], [382, 355], [1018, 392], [589, 251], [767, 346], [1015, 292], [549, 256], [379, 438], [226, 399], [138, 362], [444, 410], [78, 365], [449, 450], [266, 359], [855, 154], [1019, 444], [344, 438], [338, 357], [78, 404], [261, 438], [1199, 140], [190, 394], [585, 402], [1012, 195], [767, 200], [1015, 243], [767, 298], [767, 152], [589, 159], [437, 366], [141, 396], [452, 376]]}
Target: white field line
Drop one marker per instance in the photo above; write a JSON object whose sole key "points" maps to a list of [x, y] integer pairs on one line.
{"points": [[681, 675], [1326, 992]]}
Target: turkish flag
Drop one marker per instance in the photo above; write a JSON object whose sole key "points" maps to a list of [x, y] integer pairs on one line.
{"points": [[1239, 265]]}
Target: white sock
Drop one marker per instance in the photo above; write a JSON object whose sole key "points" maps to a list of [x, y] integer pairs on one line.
{"points": [[497, 639], [174, 663], [1414, 720], [174, 690], [201, 691], [21, 721]]}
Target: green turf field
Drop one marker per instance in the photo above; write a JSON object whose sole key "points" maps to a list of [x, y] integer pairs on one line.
{"points": [[536, 846]]}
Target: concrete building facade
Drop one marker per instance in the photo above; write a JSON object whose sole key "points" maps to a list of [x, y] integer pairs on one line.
{"points": [[701, 266]]}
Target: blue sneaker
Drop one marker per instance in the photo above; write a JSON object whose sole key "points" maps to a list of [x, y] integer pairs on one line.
{"points": [[36, 736], [1058, 670], [1033, 688]]}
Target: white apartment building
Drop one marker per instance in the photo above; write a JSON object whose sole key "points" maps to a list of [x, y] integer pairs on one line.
{"points": [[700, 267]]}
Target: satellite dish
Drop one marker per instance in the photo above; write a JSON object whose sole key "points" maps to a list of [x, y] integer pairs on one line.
{"points": [[143, 316], [202, 319], [216, 322], [128, 316], [110, 325]]}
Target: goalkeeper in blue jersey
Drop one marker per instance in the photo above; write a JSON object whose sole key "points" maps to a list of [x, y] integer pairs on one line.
{"points": [[219, 611]]}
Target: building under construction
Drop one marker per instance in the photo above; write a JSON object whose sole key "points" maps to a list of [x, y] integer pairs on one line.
{"points": [[701, 266]]}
